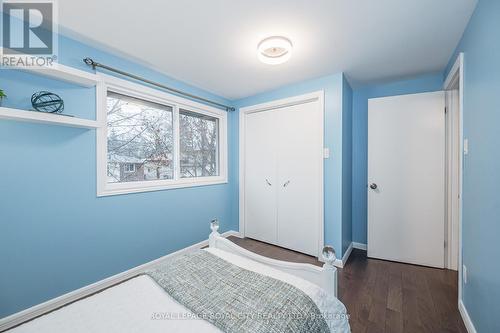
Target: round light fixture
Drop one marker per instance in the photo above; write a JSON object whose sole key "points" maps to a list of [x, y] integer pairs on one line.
{"points": [[274, 50]]}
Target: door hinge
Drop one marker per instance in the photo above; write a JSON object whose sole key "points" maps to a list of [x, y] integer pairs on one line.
{"points": [[445, 245], [445, 110]]}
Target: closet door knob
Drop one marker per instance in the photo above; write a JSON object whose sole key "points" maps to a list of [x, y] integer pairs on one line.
{"points": [[268, 182], [373, 186], [286, 183]]}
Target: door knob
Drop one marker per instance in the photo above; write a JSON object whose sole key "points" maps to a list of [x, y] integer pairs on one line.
{"points": [[373, 186]]}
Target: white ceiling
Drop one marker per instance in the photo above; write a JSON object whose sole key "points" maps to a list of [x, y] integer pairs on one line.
{"points": [[212, 43]]}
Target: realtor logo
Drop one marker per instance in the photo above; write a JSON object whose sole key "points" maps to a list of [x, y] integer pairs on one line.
{"points": [[29, 36]]}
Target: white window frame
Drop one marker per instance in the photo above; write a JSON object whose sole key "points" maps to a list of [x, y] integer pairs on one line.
{"points": [[128, 88]]}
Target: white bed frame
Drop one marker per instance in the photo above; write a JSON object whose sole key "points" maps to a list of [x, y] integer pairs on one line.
{"points": [[325, 277]]}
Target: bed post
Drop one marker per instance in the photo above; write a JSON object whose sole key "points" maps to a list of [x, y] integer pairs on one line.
{"points": [[212, 239], [329, 270]]}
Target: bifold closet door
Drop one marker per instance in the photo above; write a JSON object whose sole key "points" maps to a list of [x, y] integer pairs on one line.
{"points": [[260, 176], [283, 176], [300, 158]]}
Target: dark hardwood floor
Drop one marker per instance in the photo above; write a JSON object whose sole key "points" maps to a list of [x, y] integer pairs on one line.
{"points": [[383, 296]]}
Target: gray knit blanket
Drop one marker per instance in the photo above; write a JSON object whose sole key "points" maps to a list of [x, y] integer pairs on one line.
{"points": [[235, 299]]}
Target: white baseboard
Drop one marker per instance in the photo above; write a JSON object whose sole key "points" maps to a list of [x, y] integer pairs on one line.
{"points": [[55, 303], [232, 233], [340, 263], [465, 317], [359, 246]]}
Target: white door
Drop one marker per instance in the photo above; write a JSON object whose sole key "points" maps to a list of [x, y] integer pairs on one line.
{"points": [[406, 177], [261, 176], [281, 189], [299, 165]]}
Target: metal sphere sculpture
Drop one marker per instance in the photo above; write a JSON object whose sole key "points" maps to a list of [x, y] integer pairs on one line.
{"points": [[45, 101]]}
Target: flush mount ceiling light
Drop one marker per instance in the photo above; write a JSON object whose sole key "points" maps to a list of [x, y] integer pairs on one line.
{"points": [[274, 50]]}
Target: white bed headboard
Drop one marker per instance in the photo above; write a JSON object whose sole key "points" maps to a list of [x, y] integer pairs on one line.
{"points": [[325, 277]]}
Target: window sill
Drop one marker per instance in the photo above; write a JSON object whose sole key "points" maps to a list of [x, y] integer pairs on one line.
{"points": [[119, 189]]}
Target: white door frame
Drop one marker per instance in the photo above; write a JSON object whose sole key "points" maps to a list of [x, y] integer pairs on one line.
{"points": [[295, 100], [456, 75]]}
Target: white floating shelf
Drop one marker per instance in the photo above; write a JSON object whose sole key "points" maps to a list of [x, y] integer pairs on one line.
{"points": [[46, 118], [67, 74]]}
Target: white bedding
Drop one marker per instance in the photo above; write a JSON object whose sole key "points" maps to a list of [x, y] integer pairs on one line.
{"points": [[140, 305]]}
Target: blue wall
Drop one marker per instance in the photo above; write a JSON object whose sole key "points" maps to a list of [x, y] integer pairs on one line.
{"points": [[425, 83], [346, 164], [481, 199], [55, 234], [332, 86]]}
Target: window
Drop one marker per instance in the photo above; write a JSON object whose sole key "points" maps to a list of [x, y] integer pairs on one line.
{"points": [[140, 139], [199, 144], [130, 167], [152, 140]]}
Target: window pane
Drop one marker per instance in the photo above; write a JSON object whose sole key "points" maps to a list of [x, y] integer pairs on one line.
{"points": [[199, 136], [140, 140]]}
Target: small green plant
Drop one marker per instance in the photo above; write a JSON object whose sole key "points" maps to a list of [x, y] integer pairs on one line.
{"points": [[2, 94]]}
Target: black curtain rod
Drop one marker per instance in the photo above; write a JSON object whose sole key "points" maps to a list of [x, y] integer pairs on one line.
{"points": [[91, 62]]}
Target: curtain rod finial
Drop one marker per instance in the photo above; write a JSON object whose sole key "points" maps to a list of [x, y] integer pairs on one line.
{"points": [[90, 62]]}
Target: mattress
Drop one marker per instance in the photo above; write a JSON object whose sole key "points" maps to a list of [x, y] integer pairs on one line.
{"points": [[140, 305]]}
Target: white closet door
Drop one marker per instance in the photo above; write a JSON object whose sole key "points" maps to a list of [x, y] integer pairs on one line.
{"points": [[406, 168], [260, 176], [300, 159]]}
